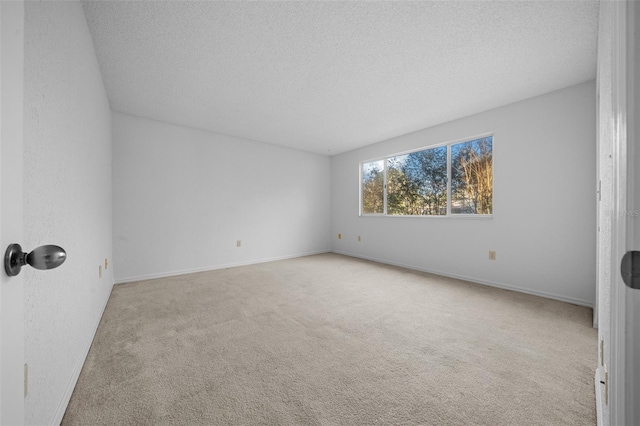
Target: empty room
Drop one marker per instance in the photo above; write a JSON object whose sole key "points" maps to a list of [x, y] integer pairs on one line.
{"points": [[319, 213]]}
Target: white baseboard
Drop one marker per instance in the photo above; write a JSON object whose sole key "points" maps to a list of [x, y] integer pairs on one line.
{"points": [[213, 268], [77, 369], [553, 296], [547, 295]]}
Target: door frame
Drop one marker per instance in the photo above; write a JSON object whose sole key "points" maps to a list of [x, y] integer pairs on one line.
{"points": [[633, 309], [624, 346], [12, 370], [631, 298]]}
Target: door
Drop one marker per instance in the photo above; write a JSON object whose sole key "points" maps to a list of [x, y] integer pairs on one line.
{"points": [[625, 301], [12, 371], [632, 296]]}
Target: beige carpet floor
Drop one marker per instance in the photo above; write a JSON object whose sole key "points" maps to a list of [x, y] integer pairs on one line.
{"points": [[333, 340]]}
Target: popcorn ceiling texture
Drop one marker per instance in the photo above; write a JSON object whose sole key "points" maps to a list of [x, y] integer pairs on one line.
{"points": [[333, 76]]}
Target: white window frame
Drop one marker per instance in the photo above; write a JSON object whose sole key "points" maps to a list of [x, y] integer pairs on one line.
{"points": [[449, 215]]}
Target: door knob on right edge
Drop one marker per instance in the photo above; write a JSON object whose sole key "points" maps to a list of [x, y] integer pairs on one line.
{"points": [[43, 257], [630, 269]]}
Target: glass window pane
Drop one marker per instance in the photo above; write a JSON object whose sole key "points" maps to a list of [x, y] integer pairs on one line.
{"points": [[373, 187], [417, 183], [472, 177]]}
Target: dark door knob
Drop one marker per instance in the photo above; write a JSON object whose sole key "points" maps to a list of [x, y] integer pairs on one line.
{"points": [[630, 269], [43, 257]]}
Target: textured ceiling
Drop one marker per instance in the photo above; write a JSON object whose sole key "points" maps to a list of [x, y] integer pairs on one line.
{"points": [[328, 77]]}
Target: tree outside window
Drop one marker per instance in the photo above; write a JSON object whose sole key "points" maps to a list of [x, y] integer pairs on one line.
{"points": [[415, 184], [373, 187], [472, 177]]}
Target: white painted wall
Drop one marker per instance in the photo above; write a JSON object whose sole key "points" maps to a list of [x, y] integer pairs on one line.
{"points": [[544, 222], [67, 201], [182, 197]]}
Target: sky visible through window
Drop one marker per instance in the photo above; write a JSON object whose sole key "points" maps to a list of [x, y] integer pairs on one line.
{"points": [[415, 184]]}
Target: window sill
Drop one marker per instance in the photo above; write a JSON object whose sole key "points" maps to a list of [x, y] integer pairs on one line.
{"points": [[452, 216]]}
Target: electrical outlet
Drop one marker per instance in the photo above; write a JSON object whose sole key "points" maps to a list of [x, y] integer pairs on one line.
{"points": [[238, 243], [492, 255], [99, 271], [359, 239], [339, 236]]}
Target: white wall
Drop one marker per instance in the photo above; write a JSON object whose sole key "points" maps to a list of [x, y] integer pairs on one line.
{"points": [[182, 197], [543, 227], [67, 201]]}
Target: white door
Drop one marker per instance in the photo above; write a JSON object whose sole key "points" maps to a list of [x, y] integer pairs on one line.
{"points": [[625, 301], [11, 159], [632, 296]]}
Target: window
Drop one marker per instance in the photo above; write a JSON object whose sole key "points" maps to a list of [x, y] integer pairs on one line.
{"points": [[472, 177], [417, 183], [453, 179], [373, 187]]}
